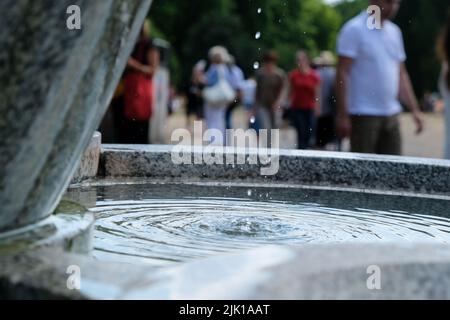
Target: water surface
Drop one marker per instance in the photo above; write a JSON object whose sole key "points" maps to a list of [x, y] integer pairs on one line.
{"points": [[164, 224]]}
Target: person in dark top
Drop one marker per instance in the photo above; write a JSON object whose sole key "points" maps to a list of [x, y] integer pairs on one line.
{"points": [[270, 83], [194, 92], [325, 128]]}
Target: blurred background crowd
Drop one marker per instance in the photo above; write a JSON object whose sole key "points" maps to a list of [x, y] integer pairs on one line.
{"points": [[280, 59]]}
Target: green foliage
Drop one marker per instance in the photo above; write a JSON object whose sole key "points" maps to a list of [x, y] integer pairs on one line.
{"points": [[421, 23], [193, 26], [350, 8]]}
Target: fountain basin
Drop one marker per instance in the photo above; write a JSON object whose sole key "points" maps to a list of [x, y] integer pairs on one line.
{"points": [[329, 170], [164, 224], [412, 192]]}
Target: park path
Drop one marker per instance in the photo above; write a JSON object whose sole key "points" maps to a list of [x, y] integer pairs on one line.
{"points": [[429, 144]]}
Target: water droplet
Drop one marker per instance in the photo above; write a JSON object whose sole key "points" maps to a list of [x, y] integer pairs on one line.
{"points": [[249, 192], [252, 120], [258, 35], [259, 10], [256, 65]]}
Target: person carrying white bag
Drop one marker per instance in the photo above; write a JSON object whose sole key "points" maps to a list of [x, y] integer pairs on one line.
{"points": [[218, 92]]}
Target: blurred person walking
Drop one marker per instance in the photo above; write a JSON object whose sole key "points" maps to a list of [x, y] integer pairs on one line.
{"points": [[248, 100], [139, 90], [194, 105], [304, 93], [270, 84], [237, 82], [444, 82], [371, 76], [161, 97], [325, 129], [218, 92]]}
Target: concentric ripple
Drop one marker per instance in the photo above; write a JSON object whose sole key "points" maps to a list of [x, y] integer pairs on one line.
{"points": [[172, 230]]}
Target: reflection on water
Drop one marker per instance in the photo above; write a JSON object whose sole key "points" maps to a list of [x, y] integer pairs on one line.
{"points": [[168, 224]]}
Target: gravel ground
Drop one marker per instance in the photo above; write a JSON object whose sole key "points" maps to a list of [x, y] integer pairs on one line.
{"points": [[429, 144]]}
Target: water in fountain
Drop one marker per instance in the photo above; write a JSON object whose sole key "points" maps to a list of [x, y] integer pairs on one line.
{"points": [[180, 223]]}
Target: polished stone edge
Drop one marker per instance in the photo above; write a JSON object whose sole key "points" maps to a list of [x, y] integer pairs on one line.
{"points": [[89, 162], [68, 231], [46, 274], [111, 181], [407, 271], [314, 168]]}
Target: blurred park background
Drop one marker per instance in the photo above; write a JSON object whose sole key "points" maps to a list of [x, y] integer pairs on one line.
{"points": [[192, 27], [249, 28]]}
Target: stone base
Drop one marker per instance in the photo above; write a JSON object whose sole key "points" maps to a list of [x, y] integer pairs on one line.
{"points": [[71, 232], [310, 272]]}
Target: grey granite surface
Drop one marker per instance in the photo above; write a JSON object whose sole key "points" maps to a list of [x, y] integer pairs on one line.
{"points": [[415, 271], [309, 168], [89, 162]]}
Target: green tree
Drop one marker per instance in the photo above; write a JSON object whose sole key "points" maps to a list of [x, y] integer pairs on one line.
{"points": [[194, 26], [288, 26], [421, 22], [350, 8]]}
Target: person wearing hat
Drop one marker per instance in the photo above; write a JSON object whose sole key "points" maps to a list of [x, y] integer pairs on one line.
{"points": [[217, 71]]}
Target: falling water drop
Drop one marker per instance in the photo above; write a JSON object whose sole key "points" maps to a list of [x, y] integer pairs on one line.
{"points": [[259, 10], [258, 35], [256, 65]]}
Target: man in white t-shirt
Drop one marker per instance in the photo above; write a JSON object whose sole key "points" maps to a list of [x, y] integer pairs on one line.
{"points": [[372, 80]]}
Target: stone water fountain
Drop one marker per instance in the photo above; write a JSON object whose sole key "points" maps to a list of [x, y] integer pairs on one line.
{"points": [[55, 86]]}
